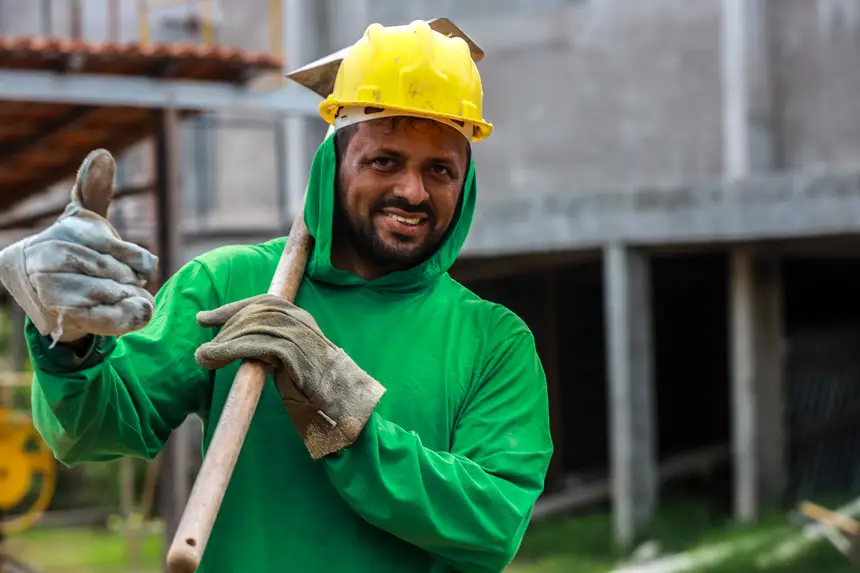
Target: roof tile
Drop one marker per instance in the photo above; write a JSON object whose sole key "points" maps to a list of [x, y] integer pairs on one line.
{"points": [[49, 48]]}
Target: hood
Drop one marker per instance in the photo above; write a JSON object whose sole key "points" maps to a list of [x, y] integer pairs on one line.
{"points": [[319, 213]]}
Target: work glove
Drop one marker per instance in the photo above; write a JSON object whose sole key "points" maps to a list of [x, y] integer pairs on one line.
{"points": [[328, 397], [78, 277]]}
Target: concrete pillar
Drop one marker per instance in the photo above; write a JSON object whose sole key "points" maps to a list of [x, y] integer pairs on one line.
{"points": [[305, 40], [630, 367], [756, 311], [295, 14], [748, 142], [757, 375], [175, 469]]}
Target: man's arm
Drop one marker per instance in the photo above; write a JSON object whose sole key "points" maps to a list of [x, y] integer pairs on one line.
{"points": [[471, 506], [123, 396]]}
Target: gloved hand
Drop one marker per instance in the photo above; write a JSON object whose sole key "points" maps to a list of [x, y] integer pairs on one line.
{"points": [[328, 397], [78, 277]]}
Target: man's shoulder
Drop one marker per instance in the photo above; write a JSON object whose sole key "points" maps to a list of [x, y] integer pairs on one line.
{"points": [[499, 336], [253, 263], [494, 317], [229, 258]]}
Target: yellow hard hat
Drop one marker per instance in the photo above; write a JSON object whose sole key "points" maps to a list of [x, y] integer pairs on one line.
{"points": [[408, 70]]}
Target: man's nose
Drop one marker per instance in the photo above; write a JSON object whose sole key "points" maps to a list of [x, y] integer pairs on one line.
{"points": [[411, 187]]}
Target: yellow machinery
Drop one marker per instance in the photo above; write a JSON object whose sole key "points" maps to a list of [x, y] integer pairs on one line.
{"points": [[28, 471], [28, 477]]}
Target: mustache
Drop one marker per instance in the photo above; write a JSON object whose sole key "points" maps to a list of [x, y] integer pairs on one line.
{"points": [[406, 206]]}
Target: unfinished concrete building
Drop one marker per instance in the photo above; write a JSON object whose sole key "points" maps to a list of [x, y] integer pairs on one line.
{"points": [[671, 200]]}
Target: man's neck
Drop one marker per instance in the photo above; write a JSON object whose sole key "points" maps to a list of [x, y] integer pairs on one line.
{"points": [[345, 258]]}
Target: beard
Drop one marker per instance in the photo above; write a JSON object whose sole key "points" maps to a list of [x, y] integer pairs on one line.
{"points": [[365, 239]]}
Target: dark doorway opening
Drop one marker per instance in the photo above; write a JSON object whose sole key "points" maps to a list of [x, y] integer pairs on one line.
{"points": [[690, 328], [822, 386]]}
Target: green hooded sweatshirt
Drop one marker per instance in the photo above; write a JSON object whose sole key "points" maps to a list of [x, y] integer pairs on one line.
{"points": [[445, 474]]}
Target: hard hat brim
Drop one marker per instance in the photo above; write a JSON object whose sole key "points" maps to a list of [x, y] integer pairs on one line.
{"points": [[329, 107]]}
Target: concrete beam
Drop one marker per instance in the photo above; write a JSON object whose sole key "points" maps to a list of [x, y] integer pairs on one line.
{"points": [[630, 365], [128, 91], [755, 208]]}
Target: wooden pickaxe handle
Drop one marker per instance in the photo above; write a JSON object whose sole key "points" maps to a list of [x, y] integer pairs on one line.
{"points": [[203, 505]]}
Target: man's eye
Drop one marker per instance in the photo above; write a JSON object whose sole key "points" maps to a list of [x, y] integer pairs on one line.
{"points": [[441, 170], [383, 161]]}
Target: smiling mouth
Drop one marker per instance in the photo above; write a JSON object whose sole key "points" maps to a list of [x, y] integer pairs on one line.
{"points": [[411, 221]]}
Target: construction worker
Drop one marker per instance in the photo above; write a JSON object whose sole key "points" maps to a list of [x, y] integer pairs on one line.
{"points": [[406, 426]]}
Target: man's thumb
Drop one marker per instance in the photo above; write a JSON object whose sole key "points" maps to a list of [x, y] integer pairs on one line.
{"points": [[93, 188]]}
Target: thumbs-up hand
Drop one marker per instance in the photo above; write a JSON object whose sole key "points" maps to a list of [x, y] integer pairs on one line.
{"points": [[78, 277]]}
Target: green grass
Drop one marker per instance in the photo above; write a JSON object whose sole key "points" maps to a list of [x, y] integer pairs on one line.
{"points": [[586, 541], [80, 550], [583, 544], [579, 544]]}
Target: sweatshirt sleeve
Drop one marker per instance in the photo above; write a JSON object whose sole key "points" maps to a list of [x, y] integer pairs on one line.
{"points": [[472, 505], [124, 396]]}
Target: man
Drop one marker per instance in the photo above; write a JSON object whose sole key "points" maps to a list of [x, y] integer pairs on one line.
{"points": [[406, 426]]}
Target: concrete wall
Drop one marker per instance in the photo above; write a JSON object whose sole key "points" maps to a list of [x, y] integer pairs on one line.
{"points": [[585, 96], [816, 47], [588, 96], [593, 96], [596, 95], [615, 98]]}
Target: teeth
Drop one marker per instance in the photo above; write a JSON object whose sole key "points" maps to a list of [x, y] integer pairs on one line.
{"points": [[405, 220]]}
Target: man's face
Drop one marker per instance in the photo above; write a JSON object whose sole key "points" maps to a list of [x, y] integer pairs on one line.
{"points": [[399, 184]]}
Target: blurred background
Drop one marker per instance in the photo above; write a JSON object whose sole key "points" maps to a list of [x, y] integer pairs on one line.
{"points": [[671, 200]]}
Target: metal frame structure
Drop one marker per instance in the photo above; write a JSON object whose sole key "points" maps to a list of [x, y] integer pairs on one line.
{"points": [[138, 92]]}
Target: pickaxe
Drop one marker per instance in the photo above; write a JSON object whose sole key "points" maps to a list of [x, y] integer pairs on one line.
{"points": [[194, 528]]}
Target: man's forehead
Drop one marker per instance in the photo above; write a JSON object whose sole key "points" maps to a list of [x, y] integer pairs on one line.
{"points": [[411, 133]]}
